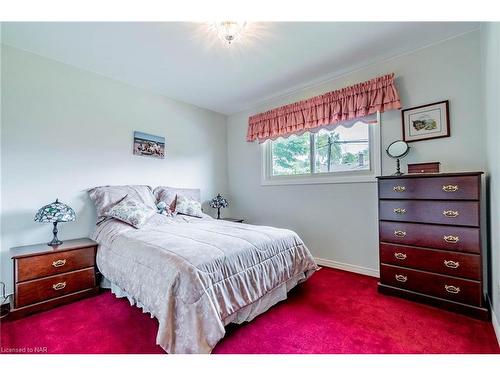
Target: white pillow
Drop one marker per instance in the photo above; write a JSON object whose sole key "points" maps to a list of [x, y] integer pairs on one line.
{"points": [[186, 206]]}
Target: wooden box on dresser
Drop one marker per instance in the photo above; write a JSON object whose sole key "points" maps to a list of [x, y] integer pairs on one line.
{"points": [[430, 240], [48, 276]]}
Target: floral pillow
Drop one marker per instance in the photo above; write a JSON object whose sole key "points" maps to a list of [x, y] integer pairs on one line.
{"points": [[186, 206], [131, 212]]}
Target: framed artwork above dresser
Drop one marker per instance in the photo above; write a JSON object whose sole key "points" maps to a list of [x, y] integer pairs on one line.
{"points": [[430, 240]]}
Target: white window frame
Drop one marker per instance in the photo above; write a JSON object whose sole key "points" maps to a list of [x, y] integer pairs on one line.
{"points": [[346, 177]]}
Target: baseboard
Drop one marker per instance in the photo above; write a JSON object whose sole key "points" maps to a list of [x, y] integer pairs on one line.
{"points": [[348, 267], [494, 321]]}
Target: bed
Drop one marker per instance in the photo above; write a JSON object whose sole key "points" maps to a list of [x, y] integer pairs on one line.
{"points": [[197, 275]]}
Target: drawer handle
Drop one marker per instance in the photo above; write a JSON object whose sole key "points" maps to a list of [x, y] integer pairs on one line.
{"points": [[451, 239], [450, 213], [451, 264], [59, 286], [452, 289], [399, 233], [450, 188], [59, 263], [401, 278], [401, 256], [400, 211], [399, 188]]}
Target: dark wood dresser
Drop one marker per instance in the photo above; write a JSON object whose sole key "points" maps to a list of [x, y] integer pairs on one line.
{"points": [[49, 276], [430, 240]]}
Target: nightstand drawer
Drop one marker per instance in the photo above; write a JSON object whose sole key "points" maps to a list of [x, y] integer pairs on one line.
{"points": [[34, 267], [34, 291]]}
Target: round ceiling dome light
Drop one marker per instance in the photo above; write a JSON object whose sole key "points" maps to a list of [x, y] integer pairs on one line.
{"points": [[229, 31]]}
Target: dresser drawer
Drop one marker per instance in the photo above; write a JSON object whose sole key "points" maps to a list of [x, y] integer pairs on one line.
{"points": [[452, 187], [34, 267], [436, 236], [450, 288], [432, 212], [446, 262], [30, 292]]}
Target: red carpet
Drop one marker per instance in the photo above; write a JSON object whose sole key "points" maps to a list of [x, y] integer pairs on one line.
{"points": [[333, 312]]}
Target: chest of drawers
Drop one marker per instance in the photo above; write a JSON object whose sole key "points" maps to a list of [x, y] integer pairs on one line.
{"points": [[430, 240], [46, 276]]}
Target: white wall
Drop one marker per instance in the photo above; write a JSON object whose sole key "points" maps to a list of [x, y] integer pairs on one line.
{"points": [[490, 43], [65, 130], [339, 221]]}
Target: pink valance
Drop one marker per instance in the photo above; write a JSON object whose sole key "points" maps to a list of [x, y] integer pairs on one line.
{"points": [[378, 94]]}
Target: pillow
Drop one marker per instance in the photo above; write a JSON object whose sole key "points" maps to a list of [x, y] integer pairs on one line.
{"points": [[168, 195], [131, 212], [187, 206], [105, 197]]}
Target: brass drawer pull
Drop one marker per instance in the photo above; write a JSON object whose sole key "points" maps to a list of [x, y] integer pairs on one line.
{"points": [[400, 211], [59, 263], [450, 213], [401, 256], [399, 233], [452, 289], [401, 278], [451, 264], [450, 188], [399, 189], [451, 239], [59, 286]]}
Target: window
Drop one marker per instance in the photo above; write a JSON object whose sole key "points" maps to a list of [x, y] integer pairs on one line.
{"points": [[345, 154]]}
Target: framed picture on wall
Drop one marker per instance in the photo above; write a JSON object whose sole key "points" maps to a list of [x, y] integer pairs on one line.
{"points": [[426, 122], [149, 145]]}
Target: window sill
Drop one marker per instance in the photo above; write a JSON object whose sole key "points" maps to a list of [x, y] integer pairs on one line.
{"points": [[311, 180]]}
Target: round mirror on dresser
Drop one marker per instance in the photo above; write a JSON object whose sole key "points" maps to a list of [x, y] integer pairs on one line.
{"points": [[398, 150]]}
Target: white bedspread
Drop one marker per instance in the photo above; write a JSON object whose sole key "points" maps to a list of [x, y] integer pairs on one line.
{"points": [[197, 275]]}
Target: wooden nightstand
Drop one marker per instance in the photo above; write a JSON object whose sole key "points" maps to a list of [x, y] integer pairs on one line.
{"points": [[49, 276], [231, 219]]}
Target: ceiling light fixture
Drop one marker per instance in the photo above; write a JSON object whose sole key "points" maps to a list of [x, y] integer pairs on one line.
{"points": [[229, 31]]}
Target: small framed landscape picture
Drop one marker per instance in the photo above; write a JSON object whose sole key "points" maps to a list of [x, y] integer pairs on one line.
{"points": [[149, 145], [426, 122]]}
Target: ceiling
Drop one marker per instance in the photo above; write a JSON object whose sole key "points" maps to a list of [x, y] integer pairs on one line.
{"points": [[187, 62]]}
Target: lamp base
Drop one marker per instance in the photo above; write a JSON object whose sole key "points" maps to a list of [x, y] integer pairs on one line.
{"points": [[55, 241]]}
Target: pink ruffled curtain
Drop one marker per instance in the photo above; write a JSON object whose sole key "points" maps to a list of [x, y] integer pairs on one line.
{"points": [[362, 99]]}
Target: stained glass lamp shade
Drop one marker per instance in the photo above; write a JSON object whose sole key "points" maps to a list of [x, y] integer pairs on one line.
{"points": [[219, 202], [56, 212]]}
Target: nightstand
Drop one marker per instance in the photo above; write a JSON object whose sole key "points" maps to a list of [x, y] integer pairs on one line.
{"points": [[48, 276], [233, 220]]}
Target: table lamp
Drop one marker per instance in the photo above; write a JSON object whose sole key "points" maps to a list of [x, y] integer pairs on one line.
{"points": [[56, 212]]}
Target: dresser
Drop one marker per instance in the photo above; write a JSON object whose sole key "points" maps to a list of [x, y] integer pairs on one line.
{"points": [[48, 276], [430, 240]]}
